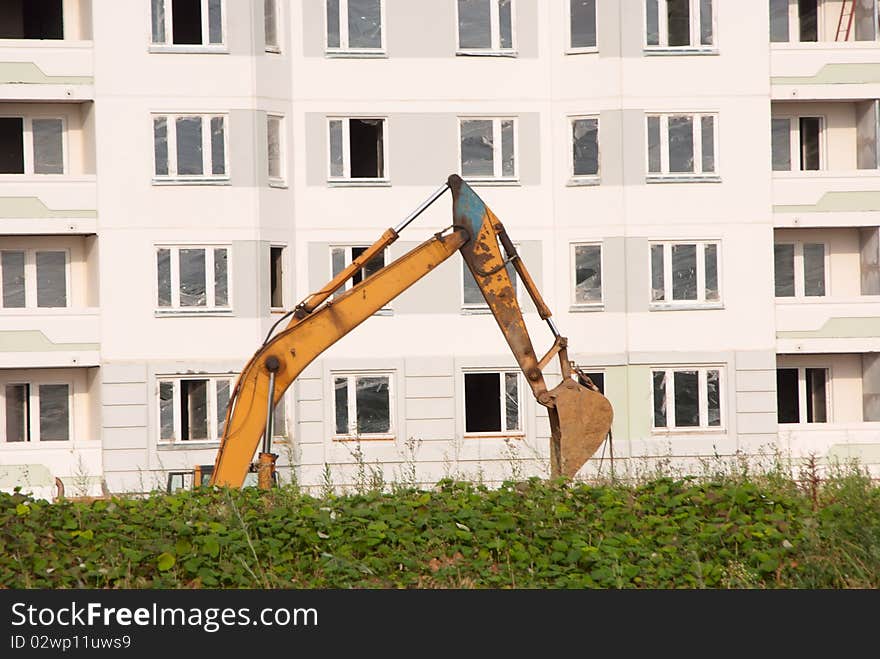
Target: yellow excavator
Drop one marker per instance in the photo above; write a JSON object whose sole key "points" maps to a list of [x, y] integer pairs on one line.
{"points": [[580, 417]]}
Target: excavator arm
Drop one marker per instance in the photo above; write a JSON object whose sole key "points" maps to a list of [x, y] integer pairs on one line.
{"points": [[579, 417]]}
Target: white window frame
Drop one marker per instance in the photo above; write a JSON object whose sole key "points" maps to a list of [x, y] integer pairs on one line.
{"points": [[497, 165], [346, 178], [495, 50], [576, 50], [352, 434], [695, 47], [348, 247], [275, 48], [697, 175], [280, 180], [802, 394], [169, 46], [794, 143], [572, 252], [583, 179], [212, 407], [703, 403], [27, 127], [210, 308], [30, 277], [502, 373], [34, 382], [207, 151], [799, 279], [701, 302], [344, 50]]}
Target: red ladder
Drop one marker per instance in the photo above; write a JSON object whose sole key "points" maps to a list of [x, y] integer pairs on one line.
{"points": [[847, 18]]}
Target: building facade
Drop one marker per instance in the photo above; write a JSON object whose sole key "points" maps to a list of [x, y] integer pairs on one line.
{"points": [[693, 184]]}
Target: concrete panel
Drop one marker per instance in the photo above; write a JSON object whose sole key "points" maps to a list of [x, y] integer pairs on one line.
{"points": [[422, 148], [430, 408], [241, 27], [611, 145], [756, 381], [526, 25], [758, 360], [608, 18], [241, 136], [125, 460], [638, 292], [430, 387], [755, 401], [438, 292], [122, 372], [125, 416], [757, 423], [125, 438], [319, 265], [313, 39], [631, 24], [310, 410], [424, 366], [420, 29], [124, 393], [316, 147], [429, 430], [614, 279], [634, 146], [309, 390], [250, 288], [529, 156], [310, 433]]}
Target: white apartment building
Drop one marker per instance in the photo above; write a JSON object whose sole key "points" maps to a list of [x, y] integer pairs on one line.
{"points": [[693, 184]]}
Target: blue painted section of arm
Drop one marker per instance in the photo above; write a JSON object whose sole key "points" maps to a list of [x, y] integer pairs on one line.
{"points": [[470, 208]]}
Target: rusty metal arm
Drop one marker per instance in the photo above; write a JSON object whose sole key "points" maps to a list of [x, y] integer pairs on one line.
{"points": [[295, 347]]}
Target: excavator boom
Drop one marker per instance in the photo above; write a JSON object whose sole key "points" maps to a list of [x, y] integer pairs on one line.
{"points": [[579, 417]]}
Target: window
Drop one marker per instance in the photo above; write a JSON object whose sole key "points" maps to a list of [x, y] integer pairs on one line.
{"points": [[36, 411], [472, 297], [582, 25], [802, 395], [33, 278], [190, 147], [193, 409], [32, 19], [485, 27], [585, 148], [187, 22], [270, 26], [596, 377], [362, 406], [797, 140], [681, 146], [193, 278], [275, 148], [687, 397], [587, 269], [809, 21], [685, 274], [800, 269], [679, 24], [355, 26], [276, 277], [32, 145], [357, 149], [488, 148], [341, 257], [492, 403]]}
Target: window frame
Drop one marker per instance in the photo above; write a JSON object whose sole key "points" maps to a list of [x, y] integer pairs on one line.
{"points": [[584, 179], [795, 147], [504, 432], [279, 181], [31, 280], [497, 177], [495, 49], [28, 155], [668, 303], [210, 285], [352, 376], [386, 310], [799, 271], [696, 176], [172, 177], [212, 411], [802, 395], [572, 251], [344, 50], [34, 430], [346, 179], [703, 403], [168, 46], [578, 50], [275, 48], [694, 14]]}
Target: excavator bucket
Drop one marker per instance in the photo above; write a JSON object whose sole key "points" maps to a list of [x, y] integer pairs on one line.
{"points": [[580, 419]]}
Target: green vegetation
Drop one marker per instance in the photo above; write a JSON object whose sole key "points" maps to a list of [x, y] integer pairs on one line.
{"points": [[748, 532]]}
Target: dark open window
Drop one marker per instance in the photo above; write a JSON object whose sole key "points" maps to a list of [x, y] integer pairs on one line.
{"points": [[275, 277], [31, 19], [186, 21], [597, 378], [491, 402], [11, 145], [787, 406], [366, 148], [811, 128], [808, 20]]}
